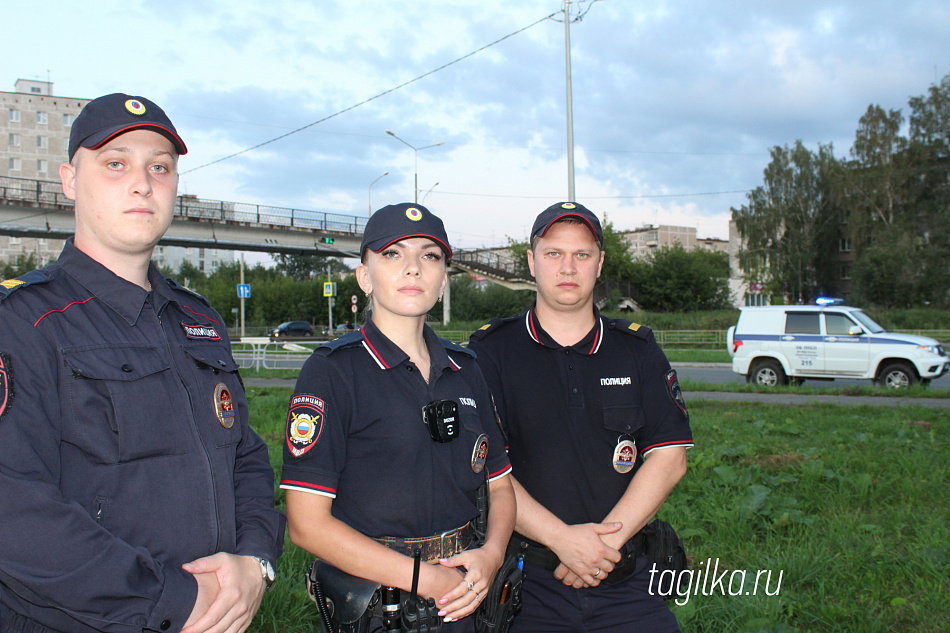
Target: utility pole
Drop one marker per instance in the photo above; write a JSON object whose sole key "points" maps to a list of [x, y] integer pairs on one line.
{"points": [[570, 102]]}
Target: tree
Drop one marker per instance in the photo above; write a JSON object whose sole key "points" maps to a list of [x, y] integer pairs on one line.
{"points": [[305, 267], [790, 223], [618, 262], [23, 265], [930, 118], [884, 276], [873, 179], [675, 280], [929, 188], [474, 302]]}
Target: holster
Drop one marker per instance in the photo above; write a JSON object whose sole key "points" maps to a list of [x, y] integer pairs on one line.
{"points": [[348, 602], [628, 558], [663, 547], [503, 600]]}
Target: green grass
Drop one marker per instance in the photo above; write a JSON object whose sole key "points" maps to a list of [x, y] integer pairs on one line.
{"points": [[286, 608], [851, 504], [697, 356], [916, 391]]}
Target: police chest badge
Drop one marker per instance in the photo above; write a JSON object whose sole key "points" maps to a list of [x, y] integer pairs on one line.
{"points": [[675, 393], [480, 453], [625, 456], [224, 405], [6, 384], [304, 423]]}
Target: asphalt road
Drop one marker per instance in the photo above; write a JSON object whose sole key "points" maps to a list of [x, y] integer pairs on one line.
{"points": [[721, 373]]}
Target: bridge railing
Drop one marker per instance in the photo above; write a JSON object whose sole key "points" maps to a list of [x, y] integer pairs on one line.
{"points": [[48, 193], [493, 263], [33, 192], [222, 211]]}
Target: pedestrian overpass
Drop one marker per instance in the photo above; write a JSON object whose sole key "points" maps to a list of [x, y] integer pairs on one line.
{"points": [[38, 208]]}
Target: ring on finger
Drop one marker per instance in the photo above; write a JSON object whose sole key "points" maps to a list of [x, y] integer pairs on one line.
{"points": [[471, 586], [597, 573]]}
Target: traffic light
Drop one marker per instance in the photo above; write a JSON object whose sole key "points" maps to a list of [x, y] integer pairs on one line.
{"points": [[326, 240]]}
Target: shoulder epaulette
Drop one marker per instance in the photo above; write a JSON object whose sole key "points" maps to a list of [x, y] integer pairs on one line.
{"points": [[31, 278], [623, 325], [493, 326], [350, 338], [174, 285], [455, 347]]}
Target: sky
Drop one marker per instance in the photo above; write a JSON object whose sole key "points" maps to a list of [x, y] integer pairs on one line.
{"points": [[675, 104]]}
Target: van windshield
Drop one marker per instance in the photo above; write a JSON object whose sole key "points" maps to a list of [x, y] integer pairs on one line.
{"points": [[867, 322]]}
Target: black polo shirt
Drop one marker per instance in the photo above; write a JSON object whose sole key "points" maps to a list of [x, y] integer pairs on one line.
{"points": [[355, 432], [565, 410]]}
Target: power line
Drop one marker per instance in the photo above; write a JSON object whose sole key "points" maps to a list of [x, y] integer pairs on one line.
{"points": [[639, 197], [364, 102]]}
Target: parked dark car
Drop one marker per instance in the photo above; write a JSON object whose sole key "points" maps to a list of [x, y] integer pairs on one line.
{"points": [[291, 329]]}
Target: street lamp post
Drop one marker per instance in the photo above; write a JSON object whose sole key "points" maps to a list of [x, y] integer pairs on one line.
{"points": [[570, 101], [426, 194], [369, 195], [415, 151]]}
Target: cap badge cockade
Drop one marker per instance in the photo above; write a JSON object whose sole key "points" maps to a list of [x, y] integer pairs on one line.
{"points": [[136, 107]]}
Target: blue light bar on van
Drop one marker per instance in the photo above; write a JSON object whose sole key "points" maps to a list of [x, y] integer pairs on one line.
{"points": [[827, 301]]}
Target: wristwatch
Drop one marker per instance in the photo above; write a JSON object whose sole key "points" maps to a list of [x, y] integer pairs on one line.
{"points": [[267, 572]]}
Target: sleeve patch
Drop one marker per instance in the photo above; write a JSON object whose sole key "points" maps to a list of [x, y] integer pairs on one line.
{"points": [[634, 326], [675, 393], [6, 384], [304, 423]]}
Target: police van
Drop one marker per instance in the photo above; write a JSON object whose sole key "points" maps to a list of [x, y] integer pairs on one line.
{"points": [[773, 345]]}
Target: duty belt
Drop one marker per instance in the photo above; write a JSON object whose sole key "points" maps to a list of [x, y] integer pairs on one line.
{"points": [[544, 557], [433, 547]]}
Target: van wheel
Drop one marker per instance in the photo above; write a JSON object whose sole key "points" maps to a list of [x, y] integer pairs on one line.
{"points": [[897, 376], [767, 373]]}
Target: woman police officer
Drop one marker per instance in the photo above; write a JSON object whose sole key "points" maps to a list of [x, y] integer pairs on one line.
{"points": [[368, 481]]}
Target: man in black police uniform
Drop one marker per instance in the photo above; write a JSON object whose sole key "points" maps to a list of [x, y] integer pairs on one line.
{"points": [[597, 431], [134, 494]]}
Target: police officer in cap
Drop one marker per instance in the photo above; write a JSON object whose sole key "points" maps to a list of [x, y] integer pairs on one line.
{"points": [[368, 478], [597, 431], [135, 496]]}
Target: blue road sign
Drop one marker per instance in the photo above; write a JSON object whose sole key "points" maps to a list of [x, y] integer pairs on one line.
{"points": [[244, 291]]}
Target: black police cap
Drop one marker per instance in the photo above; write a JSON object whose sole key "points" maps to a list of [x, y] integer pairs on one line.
{"points": [[563, 210], [111, 115], [400, 221]]}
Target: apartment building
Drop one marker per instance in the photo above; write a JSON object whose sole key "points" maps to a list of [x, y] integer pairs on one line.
{"points": [[34, 142], [34, 139]]}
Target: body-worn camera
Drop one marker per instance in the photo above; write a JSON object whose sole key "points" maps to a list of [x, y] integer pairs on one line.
{"points": [[442, 419]]}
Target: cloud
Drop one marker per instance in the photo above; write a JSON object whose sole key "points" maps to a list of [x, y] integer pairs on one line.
{"points": [[670, 98]]}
